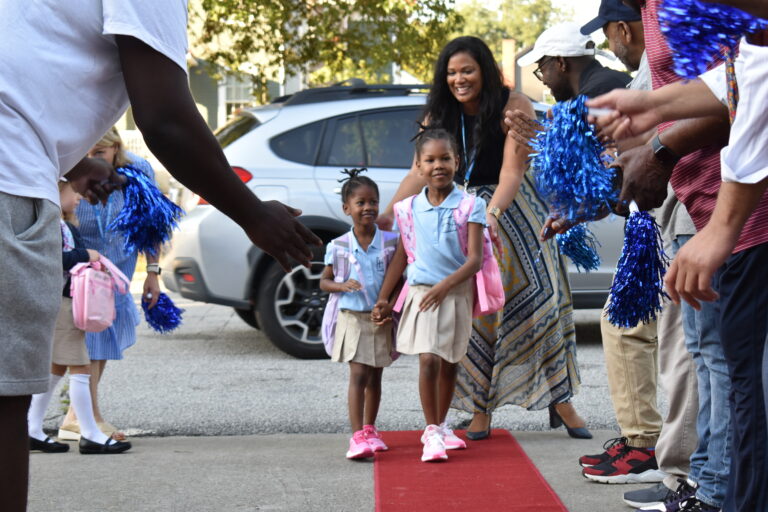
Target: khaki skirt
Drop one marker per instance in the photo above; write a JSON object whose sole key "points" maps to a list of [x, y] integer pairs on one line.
{"points": [[68, 341], [359, 340], [445, 331]]}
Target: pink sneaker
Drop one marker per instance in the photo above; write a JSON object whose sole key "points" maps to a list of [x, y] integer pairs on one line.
{"points": [[451, 440], [359, 447], [374, 439], [434, 447]]}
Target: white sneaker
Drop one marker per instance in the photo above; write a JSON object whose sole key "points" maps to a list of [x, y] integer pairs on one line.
{"points": [[451, 440], [434, 446]]}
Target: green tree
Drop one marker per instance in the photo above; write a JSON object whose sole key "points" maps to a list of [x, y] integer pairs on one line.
{"points": [[521, 20], [328, 39]]}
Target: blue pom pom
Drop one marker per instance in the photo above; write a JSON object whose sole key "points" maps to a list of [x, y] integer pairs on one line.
{"points": [[696, 32], [165, 316], [147, 217], [580, 245], [569, 167], [638, 286]]}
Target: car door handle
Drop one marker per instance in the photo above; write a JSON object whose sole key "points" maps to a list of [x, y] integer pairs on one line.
{"points": [[337, 190]]}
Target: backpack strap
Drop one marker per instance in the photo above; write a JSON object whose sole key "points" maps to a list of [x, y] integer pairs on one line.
{"points": [[461, 216], [404, 217], [390, 246], [341, 268]]}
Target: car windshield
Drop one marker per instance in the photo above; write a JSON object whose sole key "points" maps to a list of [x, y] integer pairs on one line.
{"points": [[236, 128]]}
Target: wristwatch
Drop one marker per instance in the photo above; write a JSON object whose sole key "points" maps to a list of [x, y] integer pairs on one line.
{"points": [[495, 211], [154, 267], [663, 153]]}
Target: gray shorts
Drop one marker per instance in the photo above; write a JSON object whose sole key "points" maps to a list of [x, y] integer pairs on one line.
{"points": [[30, 292]]}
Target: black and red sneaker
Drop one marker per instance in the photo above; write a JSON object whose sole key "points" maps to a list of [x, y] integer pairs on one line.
{"points": [[612, 448], [630, 466]]}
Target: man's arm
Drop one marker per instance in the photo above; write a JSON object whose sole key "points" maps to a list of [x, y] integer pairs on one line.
{"points": [[645, 177], [690, 275], [174, 131]]}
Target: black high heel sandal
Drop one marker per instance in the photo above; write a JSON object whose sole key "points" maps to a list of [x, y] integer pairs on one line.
{"points": [[483, 434], [556, 421]]}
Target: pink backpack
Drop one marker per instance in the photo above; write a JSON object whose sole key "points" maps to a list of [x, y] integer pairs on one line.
{"points": [[92, 289], [342, 259], [489, 290]]}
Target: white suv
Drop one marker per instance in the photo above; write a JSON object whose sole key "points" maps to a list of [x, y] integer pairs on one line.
{"points": [[292, 151]]}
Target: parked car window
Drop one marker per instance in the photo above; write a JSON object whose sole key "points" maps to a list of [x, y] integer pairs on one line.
{"points": [[299, 144], [346, 144], [235, 129], [388, 137]]}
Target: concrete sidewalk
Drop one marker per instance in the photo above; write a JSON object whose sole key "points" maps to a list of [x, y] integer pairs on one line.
{"points": [[283, 472]]}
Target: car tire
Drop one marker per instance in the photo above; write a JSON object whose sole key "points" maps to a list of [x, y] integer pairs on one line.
{"points": [[248, 316], [290, 308]]}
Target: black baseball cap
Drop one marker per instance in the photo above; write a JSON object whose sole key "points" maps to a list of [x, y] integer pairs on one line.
{"points": [[610, 10]]}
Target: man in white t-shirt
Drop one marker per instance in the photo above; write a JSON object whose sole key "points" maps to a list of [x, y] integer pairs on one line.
{"points": [[67, 71]]}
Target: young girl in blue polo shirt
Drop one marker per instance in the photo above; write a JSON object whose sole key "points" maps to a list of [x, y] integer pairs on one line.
{"points": [[436, 320], [355, 266]]}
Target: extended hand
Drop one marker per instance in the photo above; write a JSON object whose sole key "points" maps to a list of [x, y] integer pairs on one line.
{"points": [[95, 179], [632, 113], [276, 231], [644, 179], [493, 229], [521, 127], [381, 313], [690, 275]]}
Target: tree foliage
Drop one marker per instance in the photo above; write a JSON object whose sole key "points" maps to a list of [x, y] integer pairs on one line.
{"points": [[329, 40], [521, 20]]}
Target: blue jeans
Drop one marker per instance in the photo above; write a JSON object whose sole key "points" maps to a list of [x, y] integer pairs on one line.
{"points": [[710, 462]]}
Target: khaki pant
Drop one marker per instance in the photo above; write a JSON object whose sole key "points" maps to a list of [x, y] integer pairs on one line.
{"points": [[632, 365], [677, 373]]}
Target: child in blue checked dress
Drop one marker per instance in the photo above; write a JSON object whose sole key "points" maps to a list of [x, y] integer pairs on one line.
{"points": [[355, 267], [436, 318]]}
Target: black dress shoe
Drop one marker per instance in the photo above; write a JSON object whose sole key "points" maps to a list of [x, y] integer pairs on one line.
{"points": [[47, 446], [88, 447], [482, 434], [555, 420]]}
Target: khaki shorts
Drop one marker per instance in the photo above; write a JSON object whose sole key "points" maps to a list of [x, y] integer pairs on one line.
{"points": [[68, 341]]}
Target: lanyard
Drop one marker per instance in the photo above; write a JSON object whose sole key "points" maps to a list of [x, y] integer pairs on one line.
{"points": [[469, 165]]}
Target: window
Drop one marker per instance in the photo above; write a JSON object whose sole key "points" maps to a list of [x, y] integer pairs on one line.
{"points": [[300, 144], [236, 128], [388, 137], [347, 144], [238, 93]]}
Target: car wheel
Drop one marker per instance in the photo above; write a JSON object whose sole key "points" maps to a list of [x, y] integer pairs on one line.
{"points": [[248, 316], [290, 309]]}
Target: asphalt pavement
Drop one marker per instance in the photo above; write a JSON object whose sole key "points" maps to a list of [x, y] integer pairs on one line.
{"points": [[222, 420]]}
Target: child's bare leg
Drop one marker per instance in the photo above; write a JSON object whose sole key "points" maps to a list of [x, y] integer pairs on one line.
{"points": [[14, 452], [445, 388], [373, 395], [429, 370], [358, 379]]}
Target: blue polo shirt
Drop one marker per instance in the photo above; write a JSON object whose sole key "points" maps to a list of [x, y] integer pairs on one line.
{"points": [[438, 251], [371, 264]]}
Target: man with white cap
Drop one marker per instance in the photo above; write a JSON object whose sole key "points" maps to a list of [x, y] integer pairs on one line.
{"points": [[567, 64]]}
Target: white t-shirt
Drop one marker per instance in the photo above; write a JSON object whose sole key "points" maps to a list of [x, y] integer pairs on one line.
{"points": [[745, 159], [61, 84]]}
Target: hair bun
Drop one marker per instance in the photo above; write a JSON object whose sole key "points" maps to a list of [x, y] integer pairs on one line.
{"points": [[352, 173]]}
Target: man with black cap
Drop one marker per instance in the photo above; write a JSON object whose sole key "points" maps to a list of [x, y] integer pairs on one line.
{"points": [[631, 354]]}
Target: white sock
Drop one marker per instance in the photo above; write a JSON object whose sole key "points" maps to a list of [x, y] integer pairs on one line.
{"points": [[37, 408], [80, 396]]}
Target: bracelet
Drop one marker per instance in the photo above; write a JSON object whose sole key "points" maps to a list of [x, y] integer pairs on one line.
{"points": [[154, 267]]}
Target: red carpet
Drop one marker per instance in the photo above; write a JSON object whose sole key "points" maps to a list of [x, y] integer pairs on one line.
{"points": [[493, 474]]}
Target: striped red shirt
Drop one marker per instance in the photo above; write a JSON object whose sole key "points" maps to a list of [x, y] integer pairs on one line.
{"points": [[696, 177]]}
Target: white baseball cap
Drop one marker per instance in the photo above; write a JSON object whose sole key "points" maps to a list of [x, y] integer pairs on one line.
{"points": [[561, 40]]}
